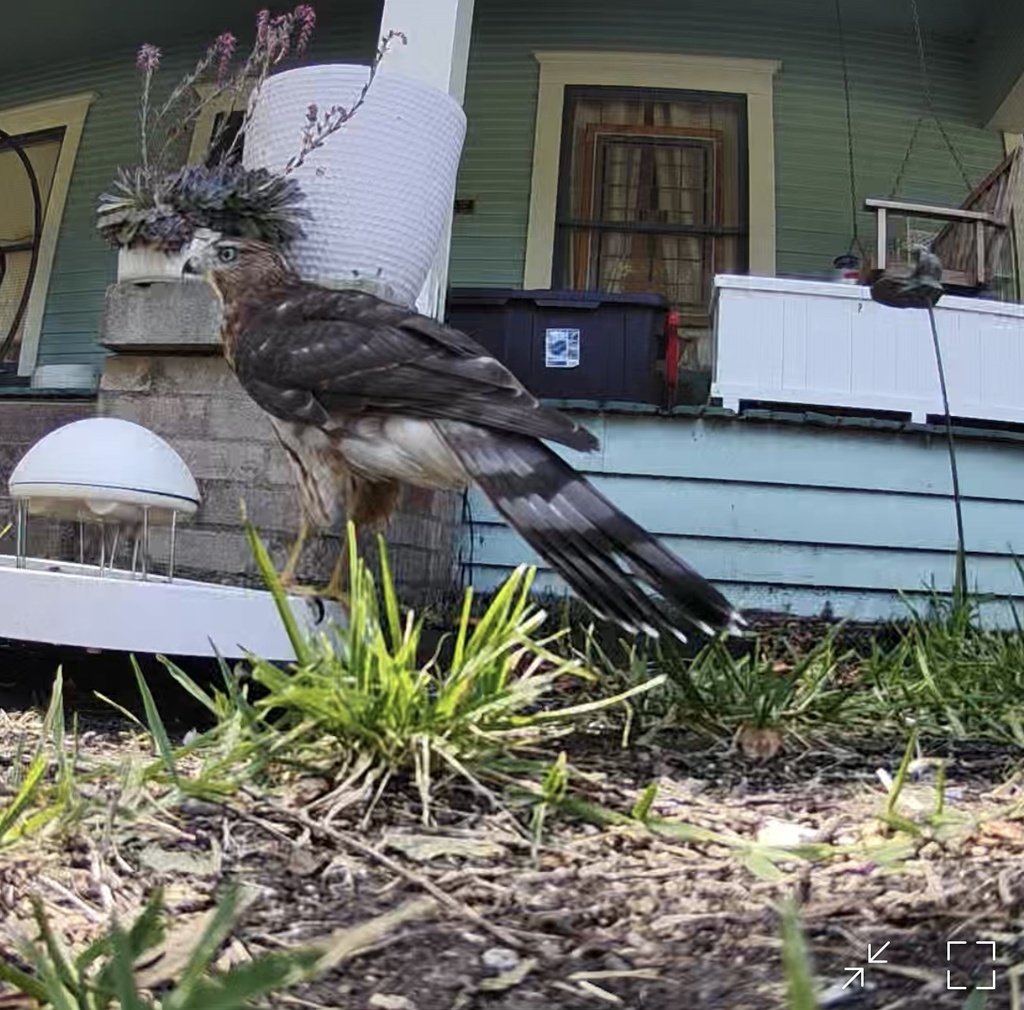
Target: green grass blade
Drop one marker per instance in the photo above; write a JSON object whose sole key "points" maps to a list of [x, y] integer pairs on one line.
{"points": [[248, 982], [796, 961], [299, 644], [185, 681], [24, 983], [24, 796], [156, 724]]}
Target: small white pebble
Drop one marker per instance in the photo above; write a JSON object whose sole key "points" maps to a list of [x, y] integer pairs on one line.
{"points": [[500, 959]]}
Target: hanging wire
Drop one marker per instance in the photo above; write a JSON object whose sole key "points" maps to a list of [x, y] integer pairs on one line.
{"points": [[960, 579], [930, 109], [926, 82], [855, 241]]}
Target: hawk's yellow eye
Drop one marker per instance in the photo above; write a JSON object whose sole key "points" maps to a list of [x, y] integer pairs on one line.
{"points": [[227, 254]]}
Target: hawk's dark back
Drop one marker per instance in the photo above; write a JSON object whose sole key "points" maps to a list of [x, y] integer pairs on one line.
{"points": [[369, 395]]}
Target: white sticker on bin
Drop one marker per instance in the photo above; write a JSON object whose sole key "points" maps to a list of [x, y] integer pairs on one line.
{"points": [[561, 348]]}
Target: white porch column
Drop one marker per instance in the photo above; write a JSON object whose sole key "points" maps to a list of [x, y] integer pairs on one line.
{"points": [[437, 54]]}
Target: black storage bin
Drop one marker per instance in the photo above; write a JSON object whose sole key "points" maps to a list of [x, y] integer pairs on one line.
{"points": [[573, 345]]}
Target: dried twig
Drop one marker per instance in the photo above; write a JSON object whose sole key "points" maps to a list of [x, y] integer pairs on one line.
{"points": [[453, 904]]}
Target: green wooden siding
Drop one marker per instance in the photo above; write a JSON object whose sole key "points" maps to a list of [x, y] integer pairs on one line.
{"points": [[999, 53], [489, 246], [84, 265], [811, 175]]}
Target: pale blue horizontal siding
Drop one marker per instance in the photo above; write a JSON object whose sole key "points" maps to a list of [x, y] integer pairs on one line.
{"points": [[793, 516]]}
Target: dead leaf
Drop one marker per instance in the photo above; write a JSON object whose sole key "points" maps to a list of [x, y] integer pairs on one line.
{"points": [[385, 1001], [345, 943], [166, 962], [759, 742], [1003, 831], [784, 834], [423, 848], [197, 864], [303, 863]]}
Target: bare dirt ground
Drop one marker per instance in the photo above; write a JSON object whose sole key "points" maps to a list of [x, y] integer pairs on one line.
{"points": [[469, 917]]}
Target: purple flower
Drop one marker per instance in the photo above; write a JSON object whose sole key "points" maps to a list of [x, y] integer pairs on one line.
{"points": [[305, 16], [148, 58], [262, 24], [312, 111], [224, 46]]}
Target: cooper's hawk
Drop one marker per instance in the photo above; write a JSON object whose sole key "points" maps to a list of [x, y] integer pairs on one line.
{"points": [[366, 395]]}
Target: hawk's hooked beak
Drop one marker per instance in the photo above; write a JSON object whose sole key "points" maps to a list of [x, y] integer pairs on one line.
{"points": [[199, 254]]}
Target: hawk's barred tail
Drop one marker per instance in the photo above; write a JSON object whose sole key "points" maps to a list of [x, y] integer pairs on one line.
{"points": [[600, 552]]}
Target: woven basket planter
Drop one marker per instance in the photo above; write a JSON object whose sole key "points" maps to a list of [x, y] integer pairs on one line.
{"points": [[380, 190]]}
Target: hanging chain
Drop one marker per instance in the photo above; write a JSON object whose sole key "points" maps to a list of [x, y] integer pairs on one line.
{"points": [[855, 241], [919, 35], [906, 158]]}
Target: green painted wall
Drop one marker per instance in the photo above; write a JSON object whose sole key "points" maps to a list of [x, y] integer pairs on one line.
{"points": [[84, 265], [811, 174], [999, 53], [812, 188]]}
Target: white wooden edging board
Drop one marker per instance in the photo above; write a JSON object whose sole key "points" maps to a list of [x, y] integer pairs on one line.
{"points": [[60, 603], [827, 344]]}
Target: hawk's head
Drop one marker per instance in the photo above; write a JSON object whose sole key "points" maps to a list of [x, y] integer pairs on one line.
{"points": [[239, 266]]}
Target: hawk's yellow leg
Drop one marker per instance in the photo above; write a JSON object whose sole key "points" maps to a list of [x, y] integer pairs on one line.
{"points": [[335, 588], [288, 572]]}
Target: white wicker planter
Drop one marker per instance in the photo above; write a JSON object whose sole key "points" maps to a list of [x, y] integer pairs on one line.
{"points": [[380, 190]]}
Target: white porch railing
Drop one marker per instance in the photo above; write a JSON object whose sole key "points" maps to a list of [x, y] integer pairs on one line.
{"points": [[825, 344]]}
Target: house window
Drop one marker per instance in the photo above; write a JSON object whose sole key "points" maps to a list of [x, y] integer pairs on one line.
{"points": [[225, 129], [23, 159], [652, 196], [49, 134], [212, 135], [676, 177]]}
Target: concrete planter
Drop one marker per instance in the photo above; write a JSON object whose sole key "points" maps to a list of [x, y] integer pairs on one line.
{"points": [[143, 263]]}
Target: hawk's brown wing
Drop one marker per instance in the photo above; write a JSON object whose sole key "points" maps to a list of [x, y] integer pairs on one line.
{"points": [[314, 353]]}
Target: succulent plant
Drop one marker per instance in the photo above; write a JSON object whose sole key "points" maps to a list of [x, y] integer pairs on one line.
{"points": [[165, 209], [164, 206]]}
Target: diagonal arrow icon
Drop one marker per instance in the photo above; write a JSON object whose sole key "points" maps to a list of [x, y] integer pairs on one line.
{"points": [[857, 976], [873, 957]]}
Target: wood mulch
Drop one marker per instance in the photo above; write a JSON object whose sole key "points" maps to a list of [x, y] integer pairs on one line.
{"points": [[464, 915]]}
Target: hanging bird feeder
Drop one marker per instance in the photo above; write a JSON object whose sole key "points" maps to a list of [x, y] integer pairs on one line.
{"points": [[971, 239]]}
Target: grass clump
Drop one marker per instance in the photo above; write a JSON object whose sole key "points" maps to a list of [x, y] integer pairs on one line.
{"points": [[360, 706], [943, 673], [951, 677], [38, 789], [107, 974]]}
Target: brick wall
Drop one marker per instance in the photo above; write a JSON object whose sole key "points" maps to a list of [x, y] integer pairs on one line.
{"points": [[22, 423], [197, 405]]}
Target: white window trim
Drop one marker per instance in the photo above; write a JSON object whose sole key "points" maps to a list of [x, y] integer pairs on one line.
{"points": [[753, 78], [69, 113]]}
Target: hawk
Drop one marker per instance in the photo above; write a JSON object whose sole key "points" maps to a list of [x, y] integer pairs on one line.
{"points": [[366, 395]]}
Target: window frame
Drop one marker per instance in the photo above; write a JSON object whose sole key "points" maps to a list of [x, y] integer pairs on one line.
{"points": [[653, 71], [563, 212], [70, 114], [227, 102]]}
